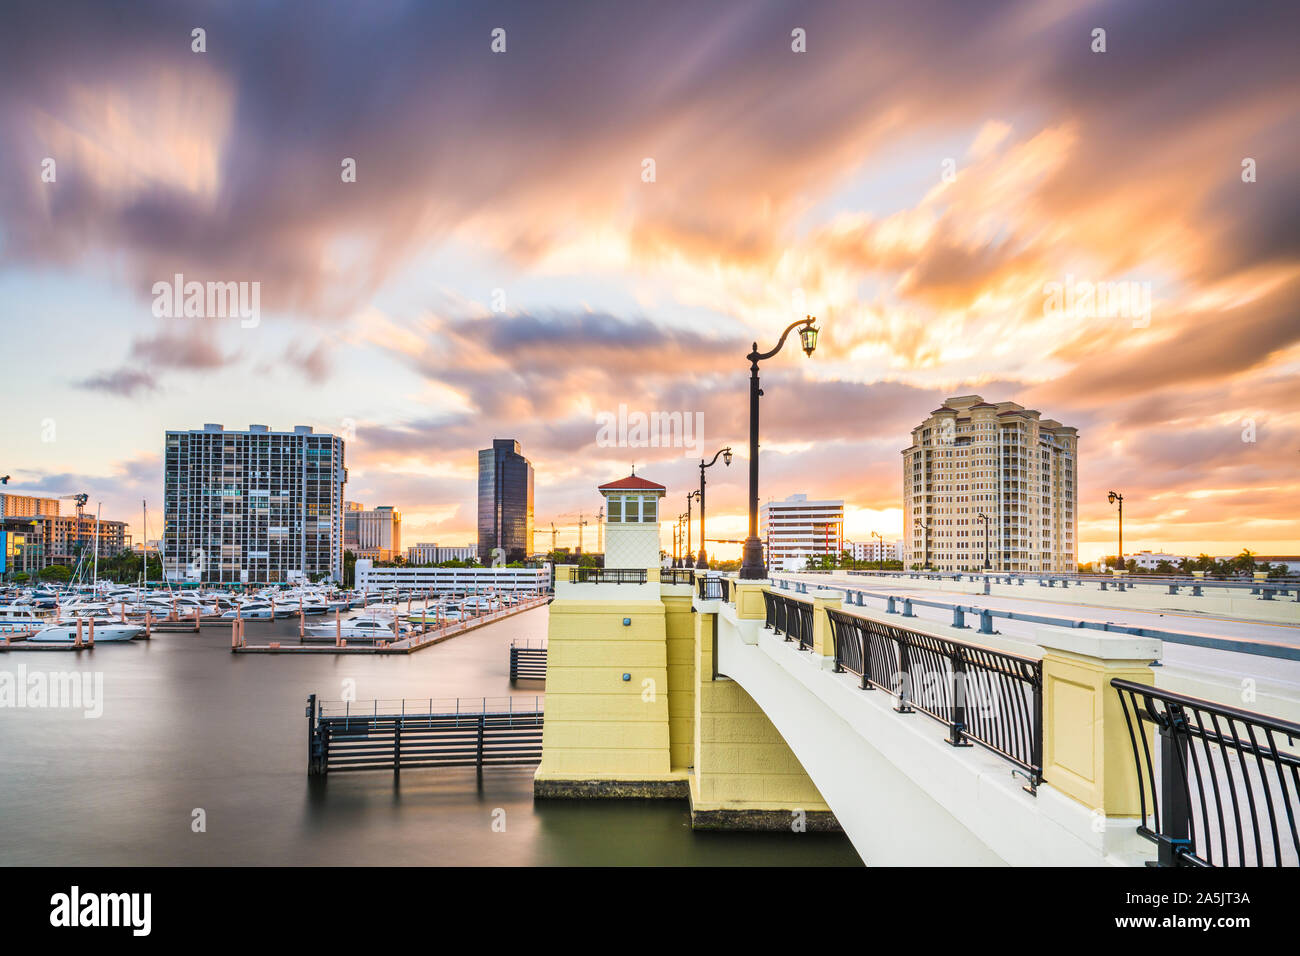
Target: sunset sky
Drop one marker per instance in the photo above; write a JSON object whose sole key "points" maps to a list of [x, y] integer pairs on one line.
{"points": [[501, 269]]}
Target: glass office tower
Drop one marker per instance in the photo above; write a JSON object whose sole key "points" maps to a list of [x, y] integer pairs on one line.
{"points": [[505, 501]]}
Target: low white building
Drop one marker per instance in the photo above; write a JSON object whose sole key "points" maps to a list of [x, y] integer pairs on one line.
{"points": [[478, 579], [1149, 559], [875, 550], [424, 553]]}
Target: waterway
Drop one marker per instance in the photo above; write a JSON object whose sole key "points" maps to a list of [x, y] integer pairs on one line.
{"points": [[187, 727]]}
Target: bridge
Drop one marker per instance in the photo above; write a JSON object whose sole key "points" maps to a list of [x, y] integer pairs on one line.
{"points": [[957, 720]]}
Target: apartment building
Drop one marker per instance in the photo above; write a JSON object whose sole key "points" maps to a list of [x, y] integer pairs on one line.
{"points": [[256, 506], [372, 533], [875, 550], [26, 506], [972, 457], [797, 529]]}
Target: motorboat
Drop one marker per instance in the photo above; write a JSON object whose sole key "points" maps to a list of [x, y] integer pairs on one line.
{"points": [[375, 628], [254, 611], [106, 631], [16, 619]]}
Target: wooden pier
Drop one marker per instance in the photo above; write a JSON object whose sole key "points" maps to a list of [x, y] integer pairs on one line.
{"points": [[392, 735]]}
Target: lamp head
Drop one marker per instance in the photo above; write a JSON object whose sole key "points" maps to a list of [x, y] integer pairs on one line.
{"points": [[1111, 497], [808, 336], [726, 456]]}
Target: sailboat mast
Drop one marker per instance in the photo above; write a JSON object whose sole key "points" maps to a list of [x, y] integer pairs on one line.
{"points": [[144, 544], [94, 583]]}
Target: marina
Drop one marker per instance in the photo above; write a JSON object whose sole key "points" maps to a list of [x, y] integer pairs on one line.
{"points": [[222, 732]]}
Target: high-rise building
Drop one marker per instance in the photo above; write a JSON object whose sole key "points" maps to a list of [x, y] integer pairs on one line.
{"points": [[256, 506], [374, 534], [797, 529], [505, 502], [971, 457]]}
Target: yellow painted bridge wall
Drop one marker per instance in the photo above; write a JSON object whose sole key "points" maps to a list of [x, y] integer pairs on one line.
{"points": [[742, 763]]}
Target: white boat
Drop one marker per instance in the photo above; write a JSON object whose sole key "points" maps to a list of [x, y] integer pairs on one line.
{"points": [[250, 612], [106, 631], [375, 628], [20, 620]]}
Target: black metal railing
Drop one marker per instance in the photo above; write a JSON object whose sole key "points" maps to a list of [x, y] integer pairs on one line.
{"points": [[677, 576], [1222, 785], [527, 660], [607, 575], [790, 617], [988, 697], [709, 589]]}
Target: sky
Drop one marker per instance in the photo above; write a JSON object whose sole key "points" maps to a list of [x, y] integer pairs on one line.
{"points": [[607, 204]]}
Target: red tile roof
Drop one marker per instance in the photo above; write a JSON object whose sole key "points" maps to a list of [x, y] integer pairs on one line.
{"points": [[632, 483]]}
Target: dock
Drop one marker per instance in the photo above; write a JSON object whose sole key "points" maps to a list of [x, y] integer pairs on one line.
{"points": [[406, 645]]}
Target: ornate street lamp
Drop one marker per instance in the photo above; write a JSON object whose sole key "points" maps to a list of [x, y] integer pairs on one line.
{"points": [[703, 563], [985, 518], [752, 567], [1113, 497], [681, 538], [687, 560]]}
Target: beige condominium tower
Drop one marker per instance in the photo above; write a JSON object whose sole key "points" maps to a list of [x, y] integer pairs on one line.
{"points": [[973, 457]]}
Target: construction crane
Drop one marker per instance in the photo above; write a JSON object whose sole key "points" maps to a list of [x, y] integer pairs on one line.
{"points": [[81, 500]]}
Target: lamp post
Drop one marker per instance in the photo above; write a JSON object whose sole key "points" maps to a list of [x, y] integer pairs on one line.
{"points": [[676, 528], [703, 563], [751, 567], [1113, 497], [985, 518], [687, 560], [925, 564], [681, 538]]}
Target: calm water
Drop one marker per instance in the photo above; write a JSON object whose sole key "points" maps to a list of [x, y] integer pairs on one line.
{"points": [[188, 725]]}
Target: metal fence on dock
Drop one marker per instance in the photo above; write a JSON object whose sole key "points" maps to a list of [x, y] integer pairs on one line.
{"points": [[407, 733], [527, 660]]}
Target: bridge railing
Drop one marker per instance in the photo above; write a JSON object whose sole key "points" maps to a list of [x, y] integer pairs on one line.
{"points": [[607, 575], [713, 588], [677, 576], [1219, 786], [789, 616], [988, 697]]}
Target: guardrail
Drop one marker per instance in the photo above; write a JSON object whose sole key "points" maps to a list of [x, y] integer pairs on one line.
{"points": [[1268, 590], [789, 616], [992, 698], [677, 576], [986, 616], [1224, 787], [607, 575]]}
